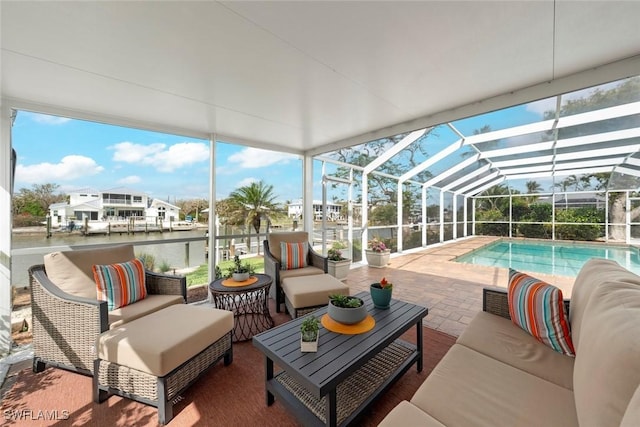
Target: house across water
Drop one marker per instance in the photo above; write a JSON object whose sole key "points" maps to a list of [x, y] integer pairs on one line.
{"points": [[109, 206]]}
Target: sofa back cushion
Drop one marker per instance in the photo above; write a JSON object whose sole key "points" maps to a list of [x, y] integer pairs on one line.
{"points": [[275, 239], [594, 272], [607, 366], [72, 271]]}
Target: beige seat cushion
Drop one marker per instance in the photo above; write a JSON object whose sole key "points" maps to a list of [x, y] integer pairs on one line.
{"points": [[309, 291], [499, 338], [275, 239], [72, 271], [299, 272], [406, 414], [468, 388], [141, 308], [607, 368], [162, 341]]}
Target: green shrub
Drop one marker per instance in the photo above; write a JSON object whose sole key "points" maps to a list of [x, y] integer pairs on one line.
{"points": [[148, 260], [164, 266]]}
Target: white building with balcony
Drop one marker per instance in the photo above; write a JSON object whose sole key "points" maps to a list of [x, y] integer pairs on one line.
{"points": [[334, 210], [115, 204]]}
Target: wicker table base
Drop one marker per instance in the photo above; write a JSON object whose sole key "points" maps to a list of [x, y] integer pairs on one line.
{"points": [[357, 388]]}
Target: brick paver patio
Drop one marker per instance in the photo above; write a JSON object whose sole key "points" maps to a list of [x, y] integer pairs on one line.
{"points": [[452, 291]]}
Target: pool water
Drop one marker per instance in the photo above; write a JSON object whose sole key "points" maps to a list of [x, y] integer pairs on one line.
{"points": [[564, 259]]}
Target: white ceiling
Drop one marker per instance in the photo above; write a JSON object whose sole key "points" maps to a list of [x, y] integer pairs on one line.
{"points": [[299, 75]]}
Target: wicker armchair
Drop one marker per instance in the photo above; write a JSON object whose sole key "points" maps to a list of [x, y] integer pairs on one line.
{"points": [[316, 263], [65, 327]]}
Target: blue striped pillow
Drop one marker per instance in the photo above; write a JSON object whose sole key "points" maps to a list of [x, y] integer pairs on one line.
{"points": [[120, 284], [538, 308], [293, 255]]}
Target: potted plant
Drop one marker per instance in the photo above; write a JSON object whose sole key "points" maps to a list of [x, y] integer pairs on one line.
{"points": [[309, 334], [338, 265], [381, 293], [377, 253], [346, 309], [239, 271]]}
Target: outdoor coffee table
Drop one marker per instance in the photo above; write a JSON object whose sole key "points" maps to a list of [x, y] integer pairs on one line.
{"points": [[333, 386], [249, 304]]}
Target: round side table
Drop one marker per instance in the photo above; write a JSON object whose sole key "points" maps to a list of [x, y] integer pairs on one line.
{"points": [[249, 304]]}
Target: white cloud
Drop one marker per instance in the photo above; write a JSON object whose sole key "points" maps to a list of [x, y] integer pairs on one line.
{"points": [[246, 182], [48, 120], [132, 179], [159, 156], [253, 158], [69, 168]]}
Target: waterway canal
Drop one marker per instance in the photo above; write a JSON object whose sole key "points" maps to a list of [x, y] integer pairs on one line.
{"points": [[174, 254]]}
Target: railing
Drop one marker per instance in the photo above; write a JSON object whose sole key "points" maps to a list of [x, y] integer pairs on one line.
{"points": [[166, 250]]}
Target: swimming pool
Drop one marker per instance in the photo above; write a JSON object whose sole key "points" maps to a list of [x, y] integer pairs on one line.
{"points": [[564, 259]]}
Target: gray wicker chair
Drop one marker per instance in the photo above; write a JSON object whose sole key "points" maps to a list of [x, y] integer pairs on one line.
{"points": [[65, 327], [317, 264]]}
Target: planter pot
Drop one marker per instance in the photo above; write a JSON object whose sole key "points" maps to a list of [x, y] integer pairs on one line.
{"points": [[339, 269], [377, 259], [381, 297], [309, 346], [240, 277], [347, 316]]}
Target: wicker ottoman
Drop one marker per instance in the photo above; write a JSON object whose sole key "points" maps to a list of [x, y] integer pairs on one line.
{"points": [[156, 357], [304, 294]]}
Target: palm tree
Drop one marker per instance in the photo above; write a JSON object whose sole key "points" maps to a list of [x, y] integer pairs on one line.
{"points": [[258, 200], [532, 188]]}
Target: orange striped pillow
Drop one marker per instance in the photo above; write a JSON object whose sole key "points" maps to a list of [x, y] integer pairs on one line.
{"points": [[294, 255], [120, 284], [538, 308]]}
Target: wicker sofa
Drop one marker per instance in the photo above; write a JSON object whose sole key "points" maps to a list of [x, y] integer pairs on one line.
{"points": [[316, 263], [498, 375], [67, 316]]}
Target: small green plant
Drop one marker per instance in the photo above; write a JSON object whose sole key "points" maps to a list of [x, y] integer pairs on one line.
{"points": [[345, 301], [383, 284], [164, 266], [239, 267], [335, 252], [148, 260], [309, 328]]}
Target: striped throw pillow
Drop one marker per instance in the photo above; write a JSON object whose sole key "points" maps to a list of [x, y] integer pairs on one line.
{"points": [[120, 284], [538, 308], [294, 255]]}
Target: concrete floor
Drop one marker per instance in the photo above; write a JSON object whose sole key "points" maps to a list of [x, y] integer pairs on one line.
{"points": [[451, 291]]}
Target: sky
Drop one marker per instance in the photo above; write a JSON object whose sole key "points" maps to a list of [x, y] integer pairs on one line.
{"points": [[76, 154]]}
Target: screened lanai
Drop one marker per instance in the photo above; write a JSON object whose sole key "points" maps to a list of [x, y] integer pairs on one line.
{"points": [[340, 84], [564, 167]]}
